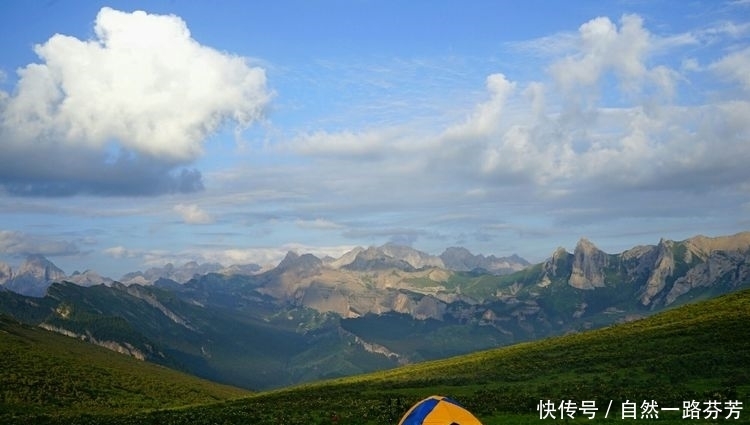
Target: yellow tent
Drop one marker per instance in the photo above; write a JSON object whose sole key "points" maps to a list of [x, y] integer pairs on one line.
{"points": [[438, 410]]}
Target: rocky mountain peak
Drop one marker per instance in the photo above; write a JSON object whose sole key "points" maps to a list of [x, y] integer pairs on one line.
{"points": [[179, 274], [588, 266], [662, 269], [375, 259], [296, 261], [559, 253], [704, 245], [33, 276], [88, 278], [585, 246], [345, 259], [461, 259], [414, 257], [557, 263], [38, 267], [457, 252]]}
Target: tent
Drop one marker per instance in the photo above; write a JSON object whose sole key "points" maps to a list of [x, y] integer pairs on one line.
{"points": [[438, 410]]}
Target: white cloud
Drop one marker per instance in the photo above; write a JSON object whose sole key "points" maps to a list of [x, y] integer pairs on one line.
{"points": [[142, 88], [486, 116], [120, 252], [604, 47], [527, 135], [318, 223], [346, 144], [19, 243], [193, 214], [734, 67], [225, 256]]}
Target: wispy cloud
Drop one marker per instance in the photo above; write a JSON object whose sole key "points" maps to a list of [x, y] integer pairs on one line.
{"points": [[226, 256], [18, 244], [569, 138]]}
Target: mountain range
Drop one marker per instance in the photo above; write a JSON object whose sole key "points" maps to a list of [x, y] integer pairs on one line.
{"points": [[373, 308], [37, 273]]}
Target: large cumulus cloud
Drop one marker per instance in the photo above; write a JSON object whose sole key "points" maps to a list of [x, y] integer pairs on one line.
{"points": [[125, 112]]}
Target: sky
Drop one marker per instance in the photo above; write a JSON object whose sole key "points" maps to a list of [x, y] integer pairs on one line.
{"points": [[137, 133]]}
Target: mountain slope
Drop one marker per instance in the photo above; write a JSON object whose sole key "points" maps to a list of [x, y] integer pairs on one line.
{"points": [[696, 352], [218, 328], [46, 373]]}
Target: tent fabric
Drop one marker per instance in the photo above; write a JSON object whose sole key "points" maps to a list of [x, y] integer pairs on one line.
{"points": [[438, 410]]}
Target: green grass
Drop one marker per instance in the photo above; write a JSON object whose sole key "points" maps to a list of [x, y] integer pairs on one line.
{"points": [[696, 352], [43, 373]]}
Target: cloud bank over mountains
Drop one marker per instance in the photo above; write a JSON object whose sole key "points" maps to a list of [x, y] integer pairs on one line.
{"points": [[122, 113]]}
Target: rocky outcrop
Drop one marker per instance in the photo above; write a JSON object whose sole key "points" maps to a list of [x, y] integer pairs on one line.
{"points": [[658, 275], [729, 268], [413, 257], [38, 267], [88, 278], [179, 274], [662, 269], [324, 299], [429, 308], [34, 276], [372, 347], [140, 292], [589, 263], [373, 259], [461, 259], [294, 261], [704, 246], [122, 348], [345, 259]]}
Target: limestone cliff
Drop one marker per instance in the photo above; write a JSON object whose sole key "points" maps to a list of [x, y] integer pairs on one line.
{"points": [[589, 263], [662, 269]]}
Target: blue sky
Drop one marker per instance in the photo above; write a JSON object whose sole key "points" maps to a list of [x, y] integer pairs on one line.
{"points": [[138, 133]]}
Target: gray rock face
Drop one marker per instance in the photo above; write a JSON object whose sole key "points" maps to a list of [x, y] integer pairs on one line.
{"points": [[299, 262], [375, 259], [89, 278], [658, 274], [721, 267], [38, 267], [34, 276], [662, 269], [179, 274], [415, 258], [345, 259], [461, 259], [589, 263]]}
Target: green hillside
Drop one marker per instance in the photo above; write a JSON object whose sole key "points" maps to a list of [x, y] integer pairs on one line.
{"points": [[698, 352], [44, 373]]}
